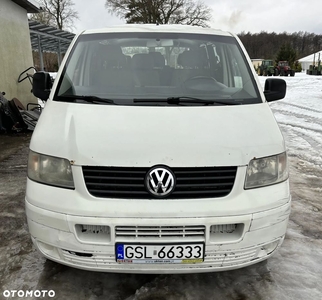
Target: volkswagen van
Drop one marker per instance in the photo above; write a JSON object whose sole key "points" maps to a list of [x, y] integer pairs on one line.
{"points": [[157, 152]]}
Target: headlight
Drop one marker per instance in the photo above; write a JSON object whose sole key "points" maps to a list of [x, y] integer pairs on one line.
{"points": [[50, 170], [266, 171]]}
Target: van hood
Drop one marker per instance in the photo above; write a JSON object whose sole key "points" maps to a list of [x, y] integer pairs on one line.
{"points": [[144, 136]]}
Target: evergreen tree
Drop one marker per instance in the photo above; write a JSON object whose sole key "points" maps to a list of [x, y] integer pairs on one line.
{"points": [[286, 52]]}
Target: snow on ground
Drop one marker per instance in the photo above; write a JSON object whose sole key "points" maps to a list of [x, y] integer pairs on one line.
{"points": [[300, 116], [293, 273]]}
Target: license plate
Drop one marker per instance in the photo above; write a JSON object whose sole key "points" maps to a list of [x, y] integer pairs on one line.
{"points": [[160, 254]]}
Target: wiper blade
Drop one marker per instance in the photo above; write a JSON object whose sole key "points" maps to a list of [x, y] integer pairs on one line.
{"points": [[87, 98], [185, 99], [175, 100]]}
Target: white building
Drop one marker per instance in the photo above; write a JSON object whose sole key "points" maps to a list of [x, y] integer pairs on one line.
{"points": [[15, 50], [310, 60]]}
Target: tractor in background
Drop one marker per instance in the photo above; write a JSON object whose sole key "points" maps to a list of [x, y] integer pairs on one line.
{"points": [[267, 68], [283, 69], [315, 69]]}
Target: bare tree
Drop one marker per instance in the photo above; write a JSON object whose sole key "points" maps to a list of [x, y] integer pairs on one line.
{"points": [[189, 12], [42, 17], [57, 13]]}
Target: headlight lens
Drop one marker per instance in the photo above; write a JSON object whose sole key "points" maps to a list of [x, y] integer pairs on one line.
{"points": [[50, 170], [266, 171]]}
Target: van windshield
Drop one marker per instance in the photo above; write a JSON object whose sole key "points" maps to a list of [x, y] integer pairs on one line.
{"points": [[151, 68]]}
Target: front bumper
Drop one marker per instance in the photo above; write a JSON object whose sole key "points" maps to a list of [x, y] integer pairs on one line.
{"points": [[256, 237]]}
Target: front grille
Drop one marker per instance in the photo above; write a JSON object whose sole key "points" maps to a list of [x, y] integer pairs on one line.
{"points": [[128, 183], [162, 232]]}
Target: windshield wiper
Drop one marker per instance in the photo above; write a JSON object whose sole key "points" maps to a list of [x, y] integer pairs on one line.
{"points": [[92, 99], [175, 100], [185, 99]]}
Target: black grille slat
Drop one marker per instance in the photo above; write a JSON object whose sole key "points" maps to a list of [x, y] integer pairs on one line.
{"points": [[88, 177], [201, 185], [207, 178], [196, 192], [128, 183], [219, 170], [114, 170], [102, 184], [116, 193]]}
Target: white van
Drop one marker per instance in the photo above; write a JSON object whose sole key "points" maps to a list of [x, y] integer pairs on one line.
{"points": [[157, 152]]}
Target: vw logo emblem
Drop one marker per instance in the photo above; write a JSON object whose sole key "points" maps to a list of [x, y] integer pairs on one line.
{"points": [[160, 181]]}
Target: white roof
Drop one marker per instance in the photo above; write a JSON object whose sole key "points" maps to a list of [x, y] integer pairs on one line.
{"points": [[158, 28], [32, 6], [310, 58]]}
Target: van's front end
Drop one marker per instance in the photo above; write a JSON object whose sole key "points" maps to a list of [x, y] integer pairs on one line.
{"points": [[157, 153]]}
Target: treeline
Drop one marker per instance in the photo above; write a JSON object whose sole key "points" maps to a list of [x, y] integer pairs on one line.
{"points": [[267, 45]]}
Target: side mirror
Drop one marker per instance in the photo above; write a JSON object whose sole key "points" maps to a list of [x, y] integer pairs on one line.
{"points": [[275, 89], [41, 85]]}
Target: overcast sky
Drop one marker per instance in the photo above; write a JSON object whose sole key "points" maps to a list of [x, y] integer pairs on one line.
{"points": [[232, 15]]}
